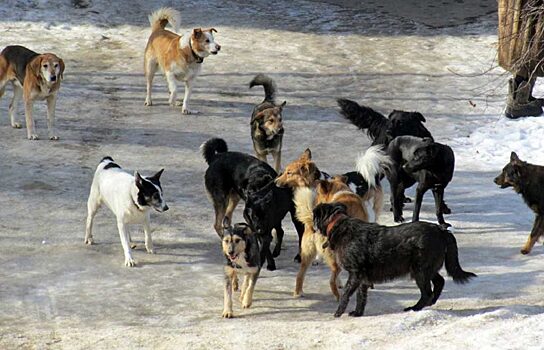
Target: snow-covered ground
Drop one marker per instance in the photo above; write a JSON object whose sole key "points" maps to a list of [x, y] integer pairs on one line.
{"points": [[55, 292]]}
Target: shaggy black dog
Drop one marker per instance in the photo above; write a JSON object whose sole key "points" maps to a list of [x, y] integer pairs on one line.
{"points": [[426, 162], [526, 179], [380, 129], [372, 253], [232, 176]]}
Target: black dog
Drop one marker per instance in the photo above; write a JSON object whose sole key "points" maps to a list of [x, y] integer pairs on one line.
{"points": [[424, 161], [380, 129], [372, 253], [526, 179], [232, 176]]}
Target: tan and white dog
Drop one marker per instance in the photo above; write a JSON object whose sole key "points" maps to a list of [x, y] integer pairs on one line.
{"points": [[34, 76], [179, 56]]}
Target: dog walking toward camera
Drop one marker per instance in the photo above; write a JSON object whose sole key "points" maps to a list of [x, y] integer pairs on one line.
{"points": [[372, 253], [180, 57], [266, 122], [243, 254], [34, 77], [129, 197], [526, 179]]}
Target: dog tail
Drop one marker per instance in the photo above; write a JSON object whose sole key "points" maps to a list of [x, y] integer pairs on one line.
{"points": [[268, 84], [373, 164], [213, 147], [163, 16], [452, 261], [365, 118], [304, 199]]}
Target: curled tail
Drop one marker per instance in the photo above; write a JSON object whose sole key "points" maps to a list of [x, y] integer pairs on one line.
{"points": [[163, 16], [213, 147], [365, 118], [452, 261], [304, 199], [373, 164], [268, 84]]}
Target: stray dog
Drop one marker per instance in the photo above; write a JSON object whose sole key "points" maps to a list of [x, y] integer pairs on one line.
{"points": [[266, 122], [179, 56], [526, 179], [424, 161], [380, 129], [34, 76], [242, 251], [129, 197], [231, 176], [374, 254]]}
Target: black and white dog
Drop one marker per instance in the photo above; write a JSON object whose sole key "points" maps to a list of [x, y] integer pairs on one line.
{"points": [[129, 197], [424, 161]]}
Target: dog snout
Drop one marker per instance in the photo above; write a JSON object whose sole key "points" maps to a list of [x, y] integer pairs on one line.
{"points": [[53, 78], [218, 47], [165, 208]]}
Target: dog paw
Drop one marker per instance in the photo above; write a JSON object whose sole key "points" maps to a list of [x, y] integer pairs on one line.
{"points": [[338, 314], [189, 111], [33, 137], [150, 250], [133, 245], [129, 262], [297, 259], [399, 219], [16, 125], [525, 251], [54, 138], [246, 304], [89, 241], [271, 267], [148, 103], [408, 309], [356, 314], [228, 314], [298, 295]]}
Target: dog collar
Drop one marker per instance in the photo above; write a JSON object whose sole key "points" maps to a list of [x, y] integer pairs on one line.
{"points": [[197, 58], [333, 222], [140, 208]]}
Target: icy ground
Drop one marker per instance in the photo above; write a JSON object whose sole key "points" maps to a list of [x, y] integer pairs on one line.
{"points": [[57, 293]]}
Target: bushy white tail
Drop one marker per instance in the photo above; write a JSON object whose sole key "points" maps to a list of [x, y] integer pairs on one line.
{"points": [[304, 199], [163, 16], [374, 162]]}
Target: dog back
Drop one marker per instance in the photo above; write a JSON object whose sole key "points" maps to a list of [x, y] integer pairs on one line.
{"points": [[19, 57]]}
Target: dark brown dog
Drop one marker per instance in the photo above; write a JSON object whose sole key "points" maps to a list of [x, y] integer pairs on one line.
{"points": [[526, 179]]}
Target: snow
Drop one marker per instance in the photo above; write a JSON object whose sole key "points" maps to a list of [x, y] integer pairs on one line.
{"points": [[58, 293]]}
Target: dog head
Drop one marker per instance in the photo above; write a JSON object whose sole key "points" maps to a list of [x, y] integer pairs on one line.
{"points": [[234, 240], [203, 42], [150, 191], [327, 188], [47, 66], [406, 123], [300, 173], [323, 214], [510, 175], [423, 157], [269, 121]]}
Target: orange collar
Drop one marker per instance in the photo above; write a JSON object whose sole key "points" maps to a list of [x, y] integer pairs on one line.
{"points": [[333, 222]]}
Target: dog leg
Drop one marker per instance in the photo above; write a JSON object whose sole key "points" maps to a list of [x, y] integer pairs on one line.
{"points": [[12, 110], [51, 104], [299, 227], [248, 296], [420, 191], [362, 293], [150, 70], [438, 194], [424, 284], [279, 241], [307, 255], [172, 87], [277, 161], [30, 130], [93, 204], [233, 200], [438, 284], [188, 92], [235, 283], [220, 208], [227, 294], [266, 239], [536, 232], [330, 259], [243, 290], [147, 233], [378, 202], [123, 234], [354, 281], [397, 195]]}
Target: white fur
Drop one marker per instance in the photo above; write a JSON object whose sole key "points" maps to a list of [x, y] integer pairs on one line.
{"points": [[373, 162], [117, 189], [168, 13]]}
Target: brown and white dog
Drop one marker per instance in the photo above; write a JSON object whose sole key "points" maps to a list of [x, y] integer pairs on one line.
{"points": [[179, 56], [33, 76]]}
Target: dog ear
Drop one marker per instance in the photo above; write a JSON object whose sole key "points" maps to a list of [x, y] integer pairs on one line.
{"points": [[197, 33], [211, 30], [157, 176], [310, 169], [282, 105], [138, 179], [257, 116], [35, 66], [61, 63], [306, 155], [514, 158], [339, 207], [419, 117], [341, 178], [247, 229]]}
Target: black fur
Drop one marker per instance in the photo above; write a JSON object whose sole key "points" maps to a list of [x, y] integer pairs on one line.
{"points": [[380, 129], [107, 158], [147, 188], [19, 56], [526, 179], [112, 165], [239, 174], [354, 180], [426, 162], [372, 253], [253, 250]]}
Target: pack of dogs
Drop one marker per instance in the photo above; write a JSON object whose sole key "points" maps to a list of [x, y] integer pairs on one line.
{"points": [[335, 216]]}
